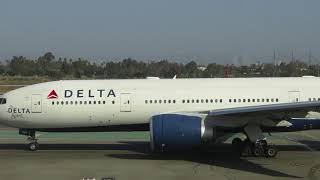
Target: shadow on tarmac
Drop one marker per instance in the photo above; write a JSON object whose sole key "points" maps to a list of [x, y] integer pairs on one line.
{"points": [[220, 156]]}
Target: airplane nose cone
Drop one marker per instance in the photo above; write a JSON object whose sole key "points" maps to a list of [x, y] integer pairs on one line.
{"points": [[3, 110], [2, 115]]}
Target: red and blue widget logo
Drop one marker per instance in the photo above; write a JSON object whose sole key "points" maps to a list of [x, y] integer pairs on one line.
{"points": [[52, 95]]}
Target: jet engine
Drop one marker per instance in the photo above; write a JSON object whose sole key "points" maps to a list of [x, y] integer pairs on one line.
{"points": [[177, 131]]}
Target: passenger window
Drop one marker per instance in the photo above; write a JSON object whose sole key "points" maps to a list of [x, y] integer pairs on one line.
{"points": [[253, 100], [85, 102], [258, 100], [165, 101], [230, 100], [234, 100], [188, 101], [244, 100], [207, 101], [220, 100], [197, 100], [150, 101], [71, 102], [202, 101], [216, 100], [309, 99], [113, 102], [262, 100], [89, 102], [66, 102], [267, 100], [146, 101], [239, 100], [277, 100], [52, 102], [169, 101], [80, 102], [57, 102], [103, 102], [76, 102], [94, 102], [61, 102], [248, 100], [160, 101], [183, 101], [99, 102], [174, 101], [155, 101], [192, 100], [272, 99]]}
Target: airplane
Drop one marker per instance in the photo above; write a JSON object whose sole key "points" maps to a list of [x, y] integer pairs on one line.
{"points": [[179, 113]]}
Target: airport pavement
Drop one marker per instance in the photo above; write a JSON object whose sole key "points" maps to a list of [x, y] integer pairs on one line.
{"points": [[126, 156]]}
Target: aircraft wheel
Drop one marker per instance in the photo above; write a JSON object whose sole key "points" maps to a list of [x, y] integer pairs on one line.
{"points": [[257, 151], [33, 146], [271, 151]]}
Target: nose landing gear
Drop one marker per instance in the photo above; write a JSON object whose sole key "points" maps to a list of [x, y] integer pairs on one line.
{"points": [[33, 145]]}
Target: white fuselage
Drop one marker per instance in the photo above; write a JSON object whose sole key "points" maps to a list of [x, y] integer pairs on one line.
{"points": [[123, 102]]}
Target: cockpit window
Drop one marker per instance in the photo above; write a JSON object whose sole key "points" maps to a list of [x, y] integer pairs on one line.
{"points": [[3, 100]]}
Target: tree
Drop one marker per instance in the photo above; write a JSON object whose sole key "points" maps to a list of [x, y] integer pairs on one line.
{"points": [[191, 69], [44, 62], [21, 66]]}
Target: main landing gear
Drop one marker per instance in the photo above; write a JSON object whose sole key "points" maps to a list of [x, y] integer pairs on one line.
{"points": [[33, 144], [258, 149]]}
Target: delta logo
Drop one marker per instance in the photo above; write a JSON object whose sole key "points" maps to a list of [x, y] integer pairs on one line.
{"points": [[53, 95]]}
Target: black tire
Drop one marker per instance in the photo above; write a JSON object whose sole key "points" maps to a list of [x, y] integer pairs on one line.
{"points": [[33, 146], [257, 151], [271, 151]]}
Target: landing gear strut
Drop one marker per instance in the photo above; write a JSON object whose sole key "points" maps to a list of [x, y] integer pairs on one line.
{"points": [[33, 145], [256, 144]]}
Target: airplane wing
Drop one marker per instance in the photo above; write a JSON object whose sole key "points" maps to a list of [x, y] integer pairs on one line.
{"points": [[282, 117], [273, 111]]}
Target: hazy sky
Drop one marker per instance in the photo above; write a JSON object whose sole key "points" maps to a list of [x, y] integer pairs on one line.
{"points": [[209, 29]]}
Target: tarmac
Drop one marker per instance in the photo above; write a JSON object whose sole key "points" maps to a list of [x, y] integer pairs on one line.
{"points": [[123, 156]]}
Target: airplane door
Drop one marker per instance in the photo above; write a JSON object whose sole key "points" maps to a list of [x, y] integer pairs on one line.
{"points": [[125, 102], [36, 106], [294, 96]]}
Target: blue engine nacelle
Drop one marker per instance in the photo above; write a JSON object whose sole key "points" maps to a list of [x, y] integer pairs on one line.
{"points": [[175, 131]]}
